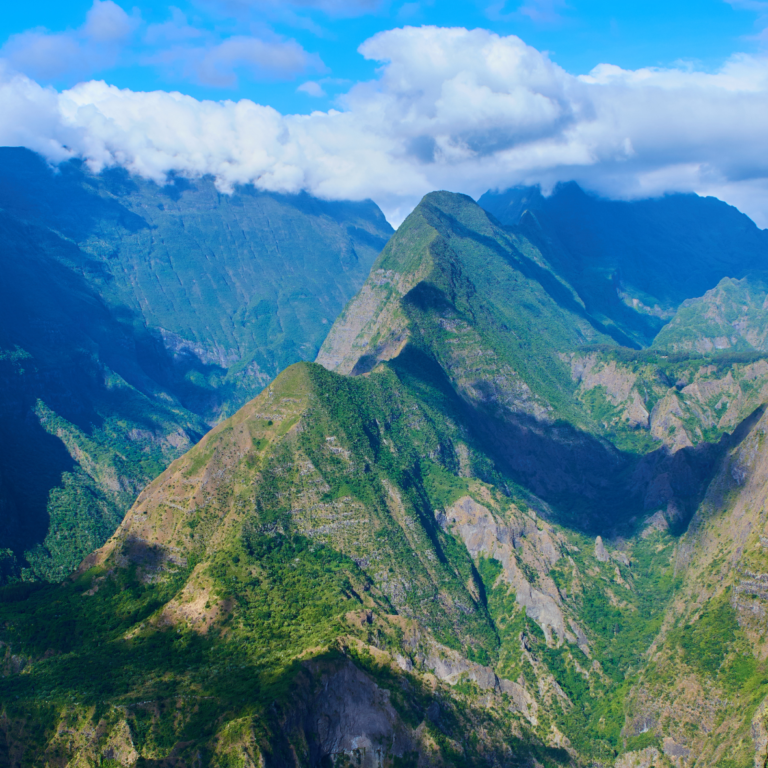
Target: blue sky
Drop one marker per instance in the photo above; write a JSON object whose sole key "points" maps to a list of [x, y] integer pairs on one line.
{"points": [[577, 34]]}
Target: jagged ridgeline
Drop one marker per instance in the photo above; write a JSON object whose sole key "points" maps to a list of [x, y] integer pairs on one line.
{"points": [[135, 316], [480, 532]]}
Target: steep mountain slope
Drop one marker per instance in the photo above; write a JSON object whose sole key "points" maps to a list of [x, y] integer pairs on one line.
{"points": [[132, 317], [730, 316], [485, 307], [83, 426], [703, 692], [305, 584], [633, 263], [462, 548], [236, 286], [288, 563]]}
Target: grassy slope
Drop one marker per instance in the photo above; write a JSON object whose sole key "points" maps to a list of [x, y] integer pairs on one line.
{"points": [[729, 316]]}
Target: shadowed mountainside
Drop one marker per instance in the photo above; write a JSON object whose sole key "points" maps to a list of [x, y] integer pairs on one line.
{"points": [[634, 263], [134, 316]]}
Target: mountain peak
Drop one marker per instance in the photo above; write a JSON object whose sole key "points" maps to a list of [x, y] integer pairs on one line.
{"points": [[192, 481], [477, 532], [510, 204]]}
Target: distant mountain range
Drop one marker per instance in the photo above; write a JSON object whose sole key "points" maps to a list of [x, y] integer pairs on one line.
{"points": [[514, 514], [633, 263]]}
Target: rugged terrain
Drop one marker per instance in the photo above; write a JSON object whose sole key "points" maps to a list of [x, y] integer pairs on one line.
{"points": [[633, 263], [135, 316], [476, 531]]}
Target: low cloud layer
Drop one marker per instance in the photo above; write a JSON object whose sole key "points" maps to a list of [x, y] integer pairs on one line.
{"points": [[451, 109]]}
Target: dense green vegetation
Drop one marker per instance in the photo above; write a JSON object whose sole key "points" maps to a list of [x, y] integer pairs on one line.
{"points": [[286, 593], [729, 316], [418, 540]]}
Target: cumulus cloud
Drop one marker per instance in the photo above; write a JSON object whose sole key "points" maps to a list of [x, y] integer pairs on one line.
{"points": [[450, 109], [312, 88], [95, 45]]}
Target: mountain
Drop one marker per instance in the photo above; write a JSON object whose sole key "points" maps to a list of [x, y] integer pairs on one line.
{"points": [[542, 384], [133, 317], [634, 263], [235, 287], [732, 315], [477, 531], [702, 693]]}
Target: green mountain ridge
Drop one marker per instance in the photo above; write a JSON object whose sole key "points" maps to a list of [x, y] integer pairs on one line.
{"points": [[476, 531], [520, 351], [729, 316]]}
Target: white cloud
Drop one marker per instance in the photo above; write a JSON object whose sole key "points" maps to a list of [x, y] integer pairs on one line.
{"points": [[450, 109], [312, 88], [218, 64], [107, 22], [95, 45]]}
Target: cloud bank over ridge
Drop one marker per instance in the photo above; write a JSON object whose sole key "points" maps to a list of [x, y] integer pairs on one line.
{"points": [[457, 109]]}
